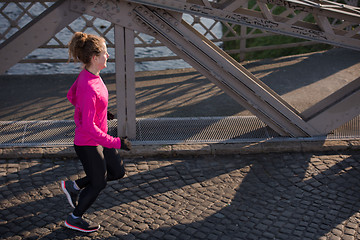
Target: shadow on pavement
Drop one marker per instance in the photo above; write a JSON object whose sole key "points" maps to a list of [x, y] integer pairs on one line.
{"points": [[277, 198]]}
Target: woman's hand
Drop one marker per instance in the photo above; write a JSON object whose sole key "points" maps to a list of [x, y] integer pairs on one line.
{"points": [[110, 116], [125, 144]]}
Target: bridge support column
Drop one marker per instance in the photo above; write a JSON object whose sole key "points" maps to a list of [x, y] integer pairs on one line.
{"points": [[125, 82]]}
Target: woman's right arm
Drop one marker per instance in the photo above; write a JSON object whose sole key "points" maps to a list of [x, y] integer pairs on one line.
{"points": [[87, 103]]}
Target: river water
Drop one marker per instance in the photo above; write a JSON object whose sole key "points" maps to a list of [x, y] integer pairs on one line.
{"points": [[13, 11]]}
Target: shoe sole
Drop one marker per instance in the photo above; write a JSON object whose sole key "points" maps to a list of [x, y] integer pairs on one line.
{"points": [[67, 194], [80, 229]]}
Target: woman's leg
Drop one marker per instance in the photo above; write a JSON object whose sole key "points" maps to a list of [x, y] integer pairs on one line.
{"points": [[114, 164], [94, 166], [82, 182]]}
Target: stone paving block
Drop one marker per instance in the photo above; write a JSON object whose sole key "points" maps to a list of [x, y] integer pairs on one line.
{"points": [[286, 146], [149, 151], [311, 146], [236, 148], [191, 149], [51, 152], [328, 145], [20, 152], [354, 144], [336, 145]]}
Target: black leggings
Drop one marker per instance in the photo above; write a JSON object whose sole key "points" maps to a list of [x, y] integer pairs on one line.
{"points": [[100, 164]]}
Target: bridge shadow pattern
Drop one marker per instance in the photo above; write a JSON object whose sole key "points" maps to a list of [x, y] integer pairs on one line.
{"points": [[268, 196]]}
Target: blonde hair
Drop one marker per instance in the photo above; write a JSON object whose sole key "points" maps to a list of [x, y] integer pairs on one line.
{"points": [[82, 47]]}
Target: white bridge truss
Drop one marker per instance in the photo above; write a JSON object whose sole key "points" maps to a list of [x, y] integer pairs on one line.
{"points": [[335, 24]]}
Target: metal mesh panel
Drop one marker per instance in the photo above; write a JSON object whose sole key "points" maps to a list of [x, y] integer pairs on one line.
{"points": [[350, 129], [12, 132], [30, 133], [206, 129], [162, 130]]}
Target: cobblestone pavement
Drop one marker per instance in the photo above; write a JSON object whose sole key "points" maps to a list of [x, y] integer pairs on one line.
{"points": [[267, 196]]}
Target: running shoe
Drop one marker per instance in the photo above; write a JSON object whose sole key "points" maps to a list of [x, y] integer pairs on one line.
{"points": [[81, 224], [71, 193]]}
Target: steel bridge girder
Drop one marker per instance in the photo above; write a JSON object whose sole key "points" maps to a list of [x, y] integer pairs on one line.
{"points": [[265, 20], [35, 34]]}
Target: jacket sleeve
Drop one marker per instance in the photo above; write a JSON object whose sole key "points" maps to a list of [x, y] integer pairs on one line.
{"points": [[87, 103], [71, 95]]}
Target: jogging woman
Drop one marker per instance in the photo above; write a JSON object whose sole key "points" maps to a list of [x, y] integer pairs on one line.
{"points": [[96, 149]]}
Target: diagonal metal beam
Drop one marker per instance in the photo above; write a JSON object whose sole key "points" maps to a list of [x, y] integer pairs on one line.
{"points": [[35, 34], [330, 9], [274, 23]]}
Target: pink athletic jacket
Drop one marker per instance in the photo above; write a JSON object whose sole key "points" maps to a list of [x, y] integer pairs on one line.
{"points": [[90, 96]]}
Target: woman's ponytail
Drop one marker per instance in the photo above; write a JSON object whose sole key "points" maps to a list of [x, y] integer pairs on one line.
{"points": [[83, 46]]}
